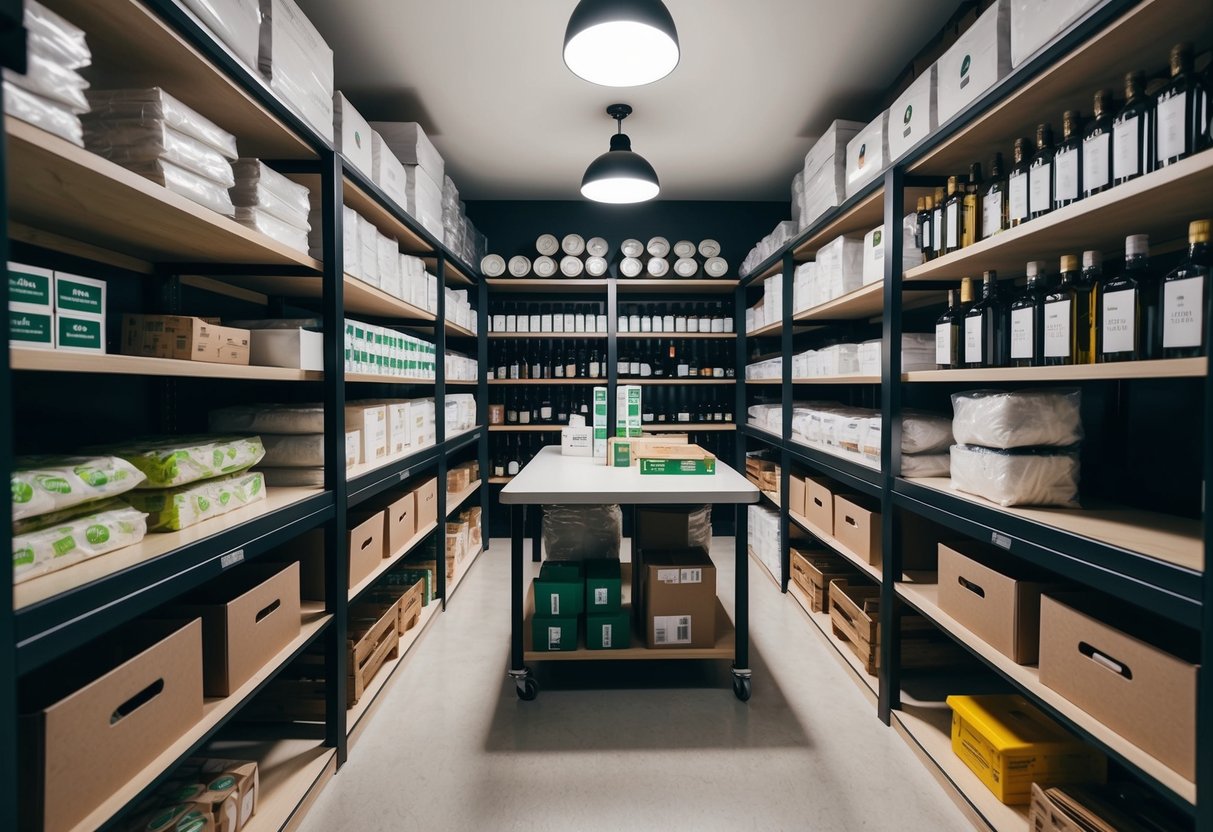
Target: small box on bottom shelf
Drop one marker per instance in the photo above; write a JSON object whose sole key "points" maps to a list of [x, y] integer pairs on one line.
{"points": [[559, 591], [552, 634], [603, 586], [679, 599], [608, 630], [855, 619], [813, 571]]}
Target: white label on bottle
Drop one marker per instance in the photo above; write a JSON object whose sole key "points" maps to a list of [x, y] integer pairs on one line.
{"points": [[545, 323], [1095, 169], [1119, 321], [623, 324], [991, 214], [1183, 312], [621, 368], [1065, 176], [524, 323], [680, 325], [667, 323], [1057, 329], [545, 413], [973, 343], [937, 229], [1170, 121], [646, 370], [684, 370], [600, 323], [499, 323], [646, 324], [1126, 155], [558, 322], [1022, 333], [943, 344], [568, 322], [579, 321], [513, 468], [634, 368], [524, 417], [950, 225], [1040, 181], [535, 324], [511, 323], [1017, 194]]}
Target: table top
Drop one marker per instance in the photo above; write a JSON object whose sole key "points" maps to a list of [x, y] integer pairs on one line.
{"points": [[555, 479]]}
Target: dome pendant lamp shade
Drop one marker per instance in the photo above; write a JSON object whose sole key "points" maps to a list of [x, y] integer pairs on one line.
{"points": [[620, 176], [621, 43]]}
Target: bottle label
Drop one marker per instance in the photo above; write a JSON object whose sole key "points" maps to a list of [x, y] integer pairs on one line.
{"points": [[973, 343], [667, 323], [1120, 321], [593, 369], [943, 344], [513, 469], [570, 371], [634, 368], [1057, 329], [952, 224], [1170, 119], [718, 372], [1022, 334], [646, 324], [1095, 168], [621, 368], [1126, 154], [1065, 176], [1017, 194], [568, 323], [684, 416], [937, 230], [623, 324], [1183, 312], [535, 324], [646, 370], [524, 417], [1040, 181], [991, 214], [634, 323], [558, 323], [523, 326], [559, 372], [717, 324], [684, 370], [498, 470], [680, 325], [545, 323], [545, 413]]}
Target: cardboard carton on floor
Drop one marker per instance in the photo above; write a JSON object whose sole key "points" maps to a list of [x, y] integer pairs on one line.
{"points": [[679, 599]]}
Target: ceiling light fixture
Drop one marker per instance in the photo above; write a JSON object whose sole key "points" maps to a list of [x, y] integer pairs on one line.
{"points": [[620, 176], [621, 43]]}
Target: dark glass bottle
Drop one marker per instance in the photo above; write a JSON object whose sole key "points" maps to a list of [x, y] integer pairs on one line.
{"points": [[1133, 132], [953, 216], [1069, 335], [986, 330], [1181, 111], [1040, 174], [947, 329], [562, 408], [938, 236], [1017, 184], [1097, 147], [926, 234], [1067, 162], [1027, 319], [1185, 298], [511, 409], [993, 195], [1121, 309], [970, 219]]}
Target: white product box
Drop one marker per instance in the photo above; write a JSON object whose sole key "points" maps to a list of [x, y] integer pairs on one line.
{"points": [[628, 409], [600, 422], [915, 113], [352, 135], [79, 295], [431, 292], [30, 288], [368, 251], [423, 199], [917, 353], [387, 171], [388, 259], [234, 23], [977, 61], [806, 276], [577, 441], [868, 153], [413, 147], [839, 360], [353, 448], [832, 145], [372, 421], [297, 62], [839, 268], [874, 251], [299, 349], [399, 427], [349, 240], [1035, 23]]}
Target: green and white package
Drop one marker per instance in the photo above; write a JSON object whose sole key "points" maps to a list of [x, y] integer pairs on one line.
{"points": [[48, 550], [41, 485], [181, 460], [64, 515], [174, 509]]}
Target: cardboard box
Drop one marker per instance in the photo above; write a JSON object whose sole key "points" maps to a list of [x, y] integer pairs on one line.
{"points": [[30, 288], [559, 591], [1143, 690], [977, 61], [608, 630], [670, 527], [387, 171], [372, 421], [915, 114], [1009, 744], [551, 634], [365, 550], [297, 349], [246, 621], [797, 493], [184, 338], [627, 410], [701, 465], [100, 715], [31, 330], [75, 332], [679, 599], [353, 448], [81, 295], [819, 503], [352, 135], [194, 816], [1001, 609], [221, 774], [603, 586], [457, 480], [427, 503], [1120, 807], [857, 526]]}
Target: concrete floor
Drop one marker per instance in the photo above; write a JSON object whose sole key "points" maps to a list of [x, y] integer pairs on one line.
{"points": [[644, 746]]}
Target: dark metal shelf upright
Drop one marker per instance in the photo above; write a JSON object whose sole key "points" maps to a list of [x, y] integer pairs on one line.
{"points": [[787, 348], [440, 427], [8, 630], [482, 404]]}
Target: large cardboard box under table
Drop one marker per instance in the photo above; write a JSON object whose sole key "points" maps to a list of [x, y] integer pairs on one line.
{"points": [[1143, 690], [679, 599], [246, 620], [94, 719], [364, 548]]}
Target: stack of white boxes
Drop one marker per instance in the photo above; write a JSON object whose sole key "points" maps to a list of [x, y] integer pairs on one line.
{"points": [[424, 171], [374, 350], [268, 202], [825, 171], [461, 368], [868, 154], [50, 94], [352, 135], [764, 538], [460, 412], [915, 114], [297, 62], [980, 58], [874, 249], [234, 23], [459, 310], [55, 310]]}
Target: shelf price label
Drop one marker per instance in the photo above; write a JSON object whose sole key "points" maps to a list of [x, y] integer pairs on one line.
{"points": [[1000, 540], [231, 559]]}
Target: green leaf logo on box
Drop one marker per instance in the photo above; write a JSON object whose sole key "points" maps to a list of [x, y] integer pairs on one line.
{"points": [[92, 476], [876, 238], [223, 784], [964, 66], [909, 114], [97, 534]]}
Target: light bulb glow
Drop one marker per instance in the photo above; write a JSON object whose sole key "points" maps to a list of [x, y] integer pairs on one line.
{"points": [[620, 190], [622, 53]]}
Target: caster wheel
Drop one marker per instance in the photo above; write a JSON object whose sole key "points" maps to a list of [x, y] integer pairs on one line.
{"points": [[741, 688], [527, 689]]}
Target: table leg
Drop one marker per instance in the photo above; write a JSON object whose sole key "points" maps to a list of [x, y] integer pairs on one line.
{"points": [[741, 661], [536, 524]]}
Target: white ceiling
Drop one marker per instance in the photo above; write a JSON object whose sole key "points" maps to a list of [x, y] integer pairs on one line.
{"points": [[758, 81]]}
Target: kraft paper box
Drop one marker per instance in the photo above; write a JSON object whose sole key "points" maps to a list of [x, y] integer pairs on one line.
{"points": [[372, 421], [30, 287], [353, 448], [184, 338], [679, 599], [352, 134]]}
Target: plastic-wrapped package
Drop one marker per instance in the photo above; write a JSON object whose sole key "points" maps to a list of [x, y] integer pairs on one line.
{"points": [[924, 433], [260, 186], [236, 23], [125, 141], [81, 538], [41, 485], [190, 185], [840, 266], [174, 509], [180, 460], [152, 105], [1031, 477], [298, 63], [582, 532], [1021, 419], [293, 477], [926, 465], [268, 418], [53, 81], [63, 515], [272, 227], [43, 113], [293, 451], [49, 35]]}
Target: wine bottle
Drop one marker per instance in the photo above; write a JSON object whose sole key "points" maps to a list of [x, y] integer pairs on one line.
{"points": [[953, 216], [947, 331], [921, 223], [994, 200], [926, 225], [546, 412], [1017, 184], [970, 219], [938, 235], [1069, 335], [1181, 111], [1121, 313], [511, 410], [1067, 162], [1027, 313], [986, 328], [1040, 174], [1133, 132], [1097, 147], [1185, 298]]}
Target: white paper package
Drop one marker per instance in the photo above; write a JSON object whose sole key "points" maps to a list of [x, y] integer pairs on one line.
{"points": [[260, 186], [52, 81], [44, 113], [1016, 478], [926, 465], [235, 23], [154, 105], [269, 225], [407, 139], [840, 266], [868, 154], [917, 353], [293, 451], [1022, 419], [979, 58], [51, 36], [387, 171], [297, 62], [268, 418], [37, 553], [41, 485], [128, 141], [187, 184], [1037, 22]]}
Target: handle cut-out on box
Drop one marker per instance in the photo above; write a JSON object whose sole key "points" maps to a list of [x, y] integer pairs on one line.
{"points": [[971, 587], [137, 701], [1105, 661], [817, 501], [851, 521], [265, 612]]}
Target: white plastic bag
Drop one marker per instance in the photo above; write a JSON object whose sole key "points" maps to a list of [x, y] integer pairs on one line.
{"points": [[49, 35], [127, 141], [174, 509], [272, 227], [282, 197], [54, 548], [1017, 478], [155, 105], [926, 465], [50, 80], [185, 183], [1023, 419], [42, 112], [41, 485], [924, 433], [268, 418]]}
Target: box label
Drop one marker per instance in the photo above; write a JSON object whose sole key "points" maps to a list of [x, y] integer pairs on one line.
{"points": [[79, 334], [606, 633], [30, 329], [554, 638], [555, 603], [671, 629], [691, 576], [669, 576], [600, 598], [29, 285], [79, 294]]}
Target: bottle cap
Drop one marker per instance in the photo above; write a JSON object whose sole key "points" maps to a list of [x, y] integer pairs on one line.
{"points": [[1069, 263], [1103, 102], [951, 185], [928, 203], [1036, 268], [1133, 81], [1136, 244], [989, 277], [1091, 259], [1180, 54], [921, 205], [1198, 231]]}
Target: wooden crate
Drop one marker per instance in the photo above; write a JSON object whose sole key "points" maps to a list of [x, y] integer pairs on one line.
{"points": [[374, 640], [296, 694], [855, 619], [407, 600], [812, 571]]}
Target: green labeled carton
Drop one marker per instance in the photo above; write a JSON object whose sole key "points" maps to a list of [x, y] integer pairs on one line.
{"points": [[608, 630], [559, 590], [603, 586], [554, 634]]}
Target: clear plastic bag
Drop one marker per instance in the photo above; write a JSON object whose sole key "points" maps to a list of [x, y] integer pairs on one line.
{"points": [[1022, 419], [285, 199], [268, 418], [155, 105], [174, 509], [1017, 478], [582, 532], [49, 35], [41, 485], [43, 113], [54, 548], [924, 433], [184, 183], [272, 227], [50, 80], [297, 451], [926, 465], [125, 141]]}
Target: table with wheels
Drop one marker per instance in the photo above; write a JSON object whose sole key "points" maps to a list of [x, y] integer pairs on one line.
{"points": [[553, 479]]}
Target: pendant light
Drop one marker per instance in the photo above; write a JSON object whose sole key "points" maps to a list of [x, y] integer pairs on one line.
{"points": [[620, 176], [621, 43]]}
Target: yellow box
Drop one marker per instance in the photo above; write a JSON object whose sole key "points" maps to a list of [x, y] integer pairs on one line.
{"points": [[1009, 744]]}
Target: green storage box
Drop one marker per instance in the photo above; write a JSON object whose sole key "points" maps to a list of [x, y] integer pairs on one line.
{"points": [[609, 631], [603, 586], [552, 634], [559, 590], [678, 466]]}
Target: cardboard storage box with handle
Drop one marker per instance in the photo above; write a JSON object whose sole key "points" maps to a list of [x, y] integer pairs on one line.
{"points": [[364, 548]]}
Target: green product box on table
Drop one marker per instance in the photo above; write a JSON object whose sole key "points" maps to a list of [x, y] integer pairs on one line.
{"points": [[678, 466], [551, 634], [627, 410], [608, 630], [559, 590], [30, 286], [603, 586], [600, 422], [30, 329]]}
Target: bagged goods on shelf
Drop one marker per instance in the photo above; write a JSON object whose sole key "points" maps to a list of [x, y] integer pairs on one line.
{"points": [[293, 450], [52, 37], [1020, 419], [582, 532], [181, 460], [979, 59], [234, 23], [268, 418], [274, 228], [42, 113], [1023, 477], [413, 148], [184, 183], [868, 154], [179, 508], [47, 550], [915, 113], [50, 95], [923, 433], [917, 353], [41, 485], [260, 186], [352, 134], [1037, 22], [460, 411], [297, 62], [153, 107], [52, 81], [926, 465]]}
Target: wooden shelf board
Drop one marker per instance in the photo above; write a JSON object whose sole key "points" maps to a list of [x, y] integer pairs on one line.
{"points": [[383, 219], [84, 197], [455, 499], [764, 381], [363, 468], [679, 336], [865, 303], [360, 298], [769, 329], [214, 711], [838, 380], [861, 218], [500, 480], [456, 329], [1159, 204], [154, 545], [536, 285], [291, 773], [628, 285], [57, 361], [866, 682], [1165, 537], [374, 378], [388, 563], [541, 336], [550, 381], [678, 427], [663, 381], [461, 571], [873, 572], [773, 496], [1166, 368], [725, 646], [525, 428], [925, 596], [927, 730]]}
